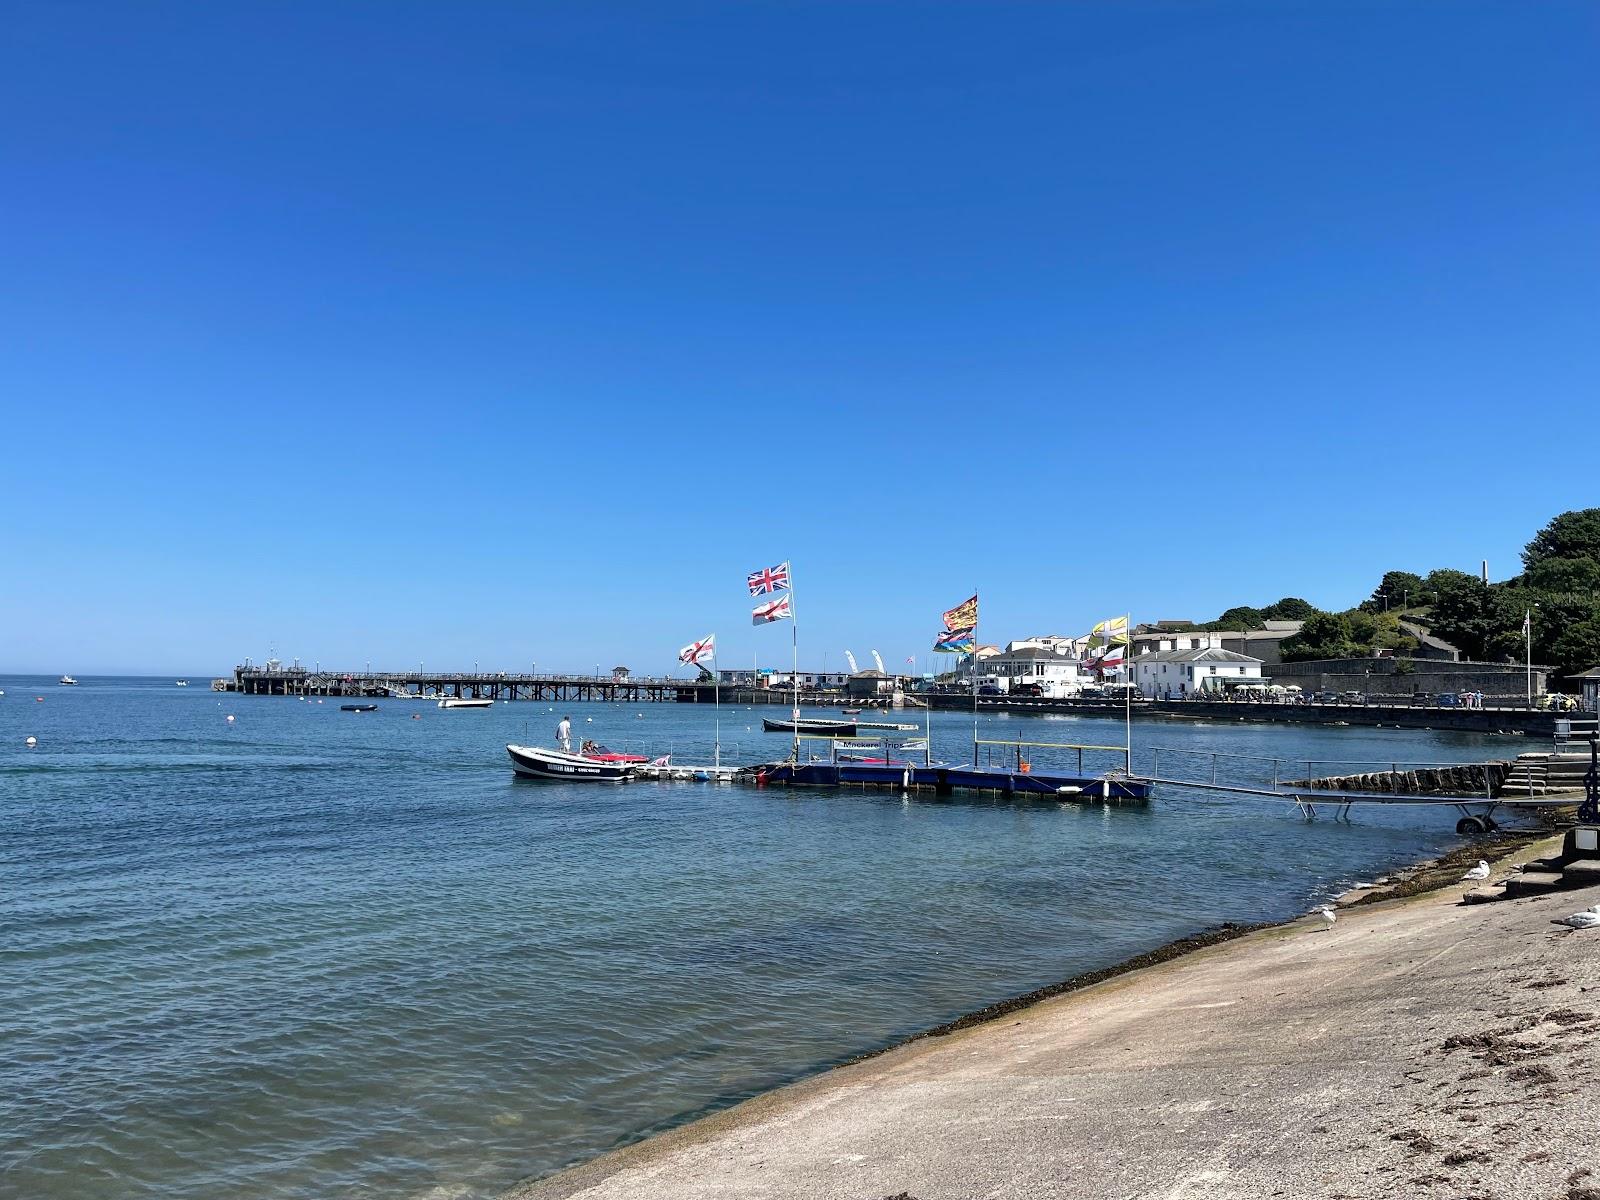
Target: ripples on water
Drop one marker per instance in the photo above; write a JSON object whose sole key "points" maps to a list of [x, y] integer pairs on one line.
{"points": [[321, 954]]}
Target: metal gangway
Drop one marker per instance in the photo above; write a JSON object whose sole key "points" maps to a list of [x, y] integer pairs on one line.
{"points": [[1293, 780]]}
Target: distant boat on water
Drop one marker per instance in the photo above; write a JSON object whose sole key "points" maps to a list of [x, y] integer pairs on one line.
{"points": [[182, 683], [67, 681], [464, 702], [358, 708]]}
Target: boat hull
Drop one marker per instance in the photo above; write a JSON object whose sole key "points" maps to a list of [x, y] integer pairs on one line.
{"points": [[535, 762], [824, 728]]}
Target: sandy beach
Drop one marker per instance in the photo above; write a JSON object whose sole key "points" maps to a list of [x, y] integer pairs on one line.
{"points": [[1418, 1047]]}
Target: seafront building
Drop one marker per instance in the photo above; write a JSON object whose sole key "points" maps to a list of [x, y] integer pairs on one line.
{"points": [[1193, 671]]}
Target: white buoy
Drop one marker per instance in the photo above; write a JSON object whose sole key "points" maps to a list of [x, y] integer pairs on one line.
{"points": [[230, 718], [32, 741]]}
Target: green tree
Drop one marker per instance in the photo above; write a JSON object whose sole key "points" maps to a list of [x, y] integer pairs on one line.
{"points": [[1573, 534], [1324, 635], [1397, 590], [1290, 608], [1238, 618]]}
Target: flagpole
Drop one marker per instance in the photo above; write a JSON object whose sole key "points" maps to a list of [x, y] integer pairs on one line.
{"points": [[1527, 637], [974, 681], [794, 640], [1127, 696], [716, 699]]}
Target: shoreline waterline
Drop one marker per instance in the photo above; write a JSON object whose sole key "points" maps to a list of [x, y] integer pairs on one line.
{"points": [[1424, 877]]}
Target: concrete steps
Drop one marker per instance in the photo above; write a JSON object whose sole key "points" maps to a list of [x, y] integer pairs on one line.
{"points": [[1578, 865], [1542, 774]]}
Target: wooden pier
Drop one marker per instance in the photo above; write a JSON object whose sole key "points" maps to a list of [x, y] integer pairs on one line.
{"points": [[494, 685]]}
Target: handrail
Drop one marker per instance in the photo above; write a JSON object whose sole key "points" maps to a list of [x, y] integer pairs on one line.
{"points": [[1052, 745]]}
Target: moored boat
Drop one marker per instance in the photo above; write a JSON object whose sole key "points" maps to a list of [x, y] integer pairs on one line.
{"points": [[535, 762], [182, 683], [358, 708], [464, 702], [816, 725], [67, 681]]}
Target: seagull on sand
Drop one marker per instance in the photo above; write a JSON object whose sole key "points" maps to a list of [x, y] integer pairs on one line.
{"points": [[1328, 916], [1589, 918], [1481, 871]]}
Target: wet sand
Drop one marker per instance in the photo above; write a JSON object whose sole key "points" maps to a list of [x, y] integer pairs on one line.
{"points": [[1419, 1047]]}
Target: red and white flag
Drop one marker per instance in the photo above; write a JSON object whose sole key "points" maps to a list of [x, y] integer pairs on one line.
{"points": [[772, 610], [695, 651], [769, 579]]}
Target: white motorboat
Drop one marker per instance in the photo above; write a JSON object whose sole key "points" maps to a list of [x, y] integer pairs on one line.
{"points": [[183, 683], [67, 681], [464, 702], [535, 762]]}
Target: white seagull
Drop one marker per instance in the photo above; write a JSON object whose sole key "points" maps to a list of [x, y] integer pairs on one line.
{"points": [[1481, 871], [1328, 916], [1589, 918]]}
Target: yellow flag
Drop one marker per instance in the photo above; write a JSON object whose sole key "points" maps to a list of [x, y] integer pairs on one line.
{"points": [[1110, 632], [963, 615]]}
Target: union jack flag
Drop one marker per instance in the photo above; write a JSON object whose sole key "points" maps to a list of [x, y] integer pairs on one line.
{"points": [[769, 579], [706, 647], [772, 610]]}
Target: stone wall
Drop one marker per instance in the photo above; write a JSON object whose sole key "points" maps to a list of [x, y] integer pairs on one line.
{"points": [[1379, 677]]}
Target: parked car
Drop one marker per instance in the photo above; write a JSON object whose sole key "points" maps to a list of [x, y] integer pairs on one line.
{"points": [[1093, 692], [1352, 697], [1421, 699], [1324, 697], [989, 689], [1027, 689], [1448, 700]]}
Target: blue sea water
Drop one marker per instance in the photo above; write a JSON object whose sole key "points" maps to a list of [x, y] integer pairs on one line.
{"points": [[316, 954]]}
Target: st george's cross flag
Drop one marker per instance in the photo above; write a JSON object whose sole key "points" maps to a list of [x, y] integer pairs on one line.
{"points": [[695, 651], [768, 579], [772, 610], [963, 615]]}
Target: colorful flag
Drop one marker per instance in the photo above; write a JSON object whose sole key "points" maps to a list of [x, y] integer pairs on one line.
{"points": [[1112, 631], [769, 579], [695, 651], [954, 641], [1109, 658], [963, 615], [851, 659], [772, 610]]}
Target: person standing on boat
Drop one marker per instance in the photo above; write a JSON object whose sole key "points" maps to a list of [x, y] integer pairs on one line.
{"points": [[564, 734]]}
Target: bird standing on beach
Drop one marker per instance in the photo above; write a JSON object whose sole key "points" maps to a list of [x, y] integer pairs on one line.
{"points": [[1328, 916], [1481, 871]]}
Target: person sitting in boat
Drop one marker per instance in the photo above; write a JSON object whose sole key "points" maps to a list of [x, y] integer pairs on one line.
{"points": [[588, 747]]}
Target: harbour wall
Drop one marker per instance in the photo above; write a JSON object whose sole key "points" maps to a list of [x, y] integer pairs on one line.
{"points": [[1383, 677]]}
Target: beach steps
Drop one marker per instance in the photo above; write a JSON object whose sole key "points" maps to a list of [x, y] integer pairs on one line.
{"points": [[1578, 865], [1542, 774]]}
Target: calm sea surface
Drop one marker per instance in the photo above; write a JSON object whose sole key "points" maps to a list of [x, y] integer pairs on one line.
{"points": [[317, 954]]}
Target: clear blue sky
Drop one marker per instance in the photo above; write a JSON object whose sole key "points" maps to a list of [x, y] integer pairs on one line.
{"points": [[521, 332]]}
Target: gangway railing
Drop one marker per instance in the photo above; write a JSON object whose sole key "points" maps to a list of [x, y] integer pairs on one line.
{"points": [[1080, 747]]}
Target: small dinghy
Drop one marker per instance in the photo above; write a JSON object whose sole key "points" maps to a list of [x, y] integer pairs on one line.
{"points": [[535, 762], [358, 708]]}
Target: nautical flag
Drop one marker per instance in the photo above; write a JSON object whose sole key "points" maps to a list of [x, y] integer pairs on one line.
{"points": [[772, 610], [878, 658], [1111, 656], [851, 659], [962, 616], [1112, 631], [695, 651], [954, 641], [768, 579], [911, 660]]}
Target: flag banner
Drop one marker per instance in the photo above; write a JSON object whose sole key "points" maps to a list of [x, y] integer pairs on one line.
{"points": [[772, 610], [851, 659], [1527, 621], [1113, 631], [878, 658], [695, 651], [1111, 657], [769, 579], [954, 641], [963, 615]]}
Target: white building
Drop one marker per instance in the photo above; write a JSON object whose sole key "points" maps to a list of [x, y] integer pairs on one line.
{"points": [[1202, 670], [1022, 665]]}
